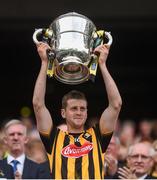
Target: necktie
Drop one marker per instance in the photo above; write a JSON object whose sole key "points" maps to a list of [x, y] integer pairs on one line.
{"points": [[15, 162]]}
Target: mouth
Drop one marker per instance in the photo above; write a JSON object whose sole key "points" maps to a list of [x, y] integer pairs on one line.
{"points": [[138, 166], [16, 143], [78, 119]]}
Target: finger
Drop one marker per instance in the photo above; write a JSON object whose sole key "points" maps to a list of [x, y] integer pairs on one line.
{"points": [[120, 177], [127, 169], [133, 170], [108, 160], [42, 44], [122, 172], [38, 44], [98, 48], [106, 46], [107, 157]]}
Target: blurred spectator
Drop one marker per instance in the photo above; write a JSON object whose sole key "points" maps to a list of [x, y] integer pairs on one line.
{"points": [[154, 130], [31, 128], [154, 170], [127, 137], [16, 138], [36, 151], [144, 130], [28, 122], [127, 133], [139, 162], [111, 157], [3, 147]]}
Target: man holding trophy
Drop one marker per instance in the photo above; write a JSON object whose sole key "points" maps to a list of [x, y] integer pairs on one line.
{"points": [[78, 152]]}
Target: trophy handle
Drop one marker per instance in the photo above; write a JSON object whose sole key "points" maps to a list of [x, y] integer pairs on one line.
{"points": [[46, 37], [99, 38], [109, 37], [45, 33], [37, 33]]}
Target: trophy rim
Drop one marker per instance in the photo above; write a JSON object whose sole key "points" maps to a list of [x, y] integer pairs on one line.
{"points": [[73, 13], [70, 78]]}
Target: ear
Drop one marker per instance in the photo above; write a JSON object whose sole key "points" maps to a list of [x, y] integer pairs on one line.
{"points": [[5, 140], [151, 162], [63, 113], [26, 140]]}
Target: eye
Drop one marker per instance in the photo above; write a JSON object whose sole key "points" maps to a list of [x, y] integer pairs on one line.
{"points": [[83, 109], [135, 156], [11, 134], [145, 157], [74, 108]]}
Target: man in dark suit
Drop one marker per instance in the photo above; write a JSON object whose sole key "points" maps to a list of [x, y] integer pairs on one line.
{"points": [[139, 162], [15, 139], [6, 170]]}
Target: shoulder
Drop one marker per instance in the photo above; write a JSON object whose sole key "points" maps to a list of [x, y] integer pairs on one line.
{"points": [[3, 163], [6, 170], [150, 177], [31, 162], [32, 165]]}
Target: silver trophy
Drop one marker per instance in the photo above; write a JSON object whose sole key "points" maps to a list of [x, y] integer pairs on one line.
{"points": [[72, 38]]}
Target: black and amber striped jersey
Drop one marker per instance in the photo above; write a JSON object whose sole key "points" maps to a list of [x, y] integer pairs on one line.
{"points": [[76, 156]]}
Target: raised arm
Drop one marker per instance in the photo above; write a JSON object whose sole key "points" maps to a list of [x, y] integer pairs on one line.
{"points": [[110, 115], [43, 117]]}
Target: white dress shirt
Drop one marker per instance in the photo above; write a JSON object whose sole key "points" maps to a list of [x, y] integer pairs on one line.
{"points": [[20, 165], [142, 177]]}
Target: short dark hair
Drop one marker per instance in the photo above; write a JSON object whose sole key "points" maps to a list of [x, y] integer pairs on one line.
{"points": [[74, 94]]}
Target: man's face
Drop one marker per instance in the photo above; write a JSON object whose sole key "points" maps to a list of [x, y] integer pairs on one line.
{"points": [[16, 138], [140, 160], [75, 113]]}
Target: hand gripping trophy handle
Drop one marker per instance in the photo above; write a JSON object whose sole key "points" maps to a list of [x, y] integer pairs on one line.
{"points": [[99, 38], [46, 35]]}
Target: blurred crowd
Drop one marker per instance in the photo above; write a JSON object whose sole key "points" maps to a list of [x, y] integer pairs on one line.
{"points": [[132, 152], [121, 159]]}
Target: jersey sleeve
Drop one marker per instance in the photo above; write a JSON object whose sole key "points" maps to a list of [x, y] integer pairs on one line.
{"points": [[104, 139], [48, 138]]}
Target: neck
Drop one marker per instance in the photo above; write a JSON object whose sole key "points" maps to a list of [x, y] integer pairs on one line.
{"points": [[140, 175], [16, 154], [73, 130]]}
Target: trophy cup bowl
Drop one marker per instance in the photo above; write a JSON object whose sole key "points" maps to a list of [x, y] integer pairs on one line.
{"points": [[72, 37]]}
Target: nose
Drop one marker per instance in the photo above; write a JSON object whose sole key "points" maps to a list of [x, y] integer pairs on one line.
{"points": [[15, 136], [139, 159], [78, 111]]}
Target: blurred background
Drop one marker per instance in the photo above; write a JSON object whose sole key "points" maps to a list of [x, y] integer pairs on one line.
{"points": [[132, 59]]}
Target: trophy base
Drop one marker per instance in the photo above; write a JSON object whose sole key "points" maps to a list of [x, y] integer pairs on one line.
{"points": [[71, 71]]}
